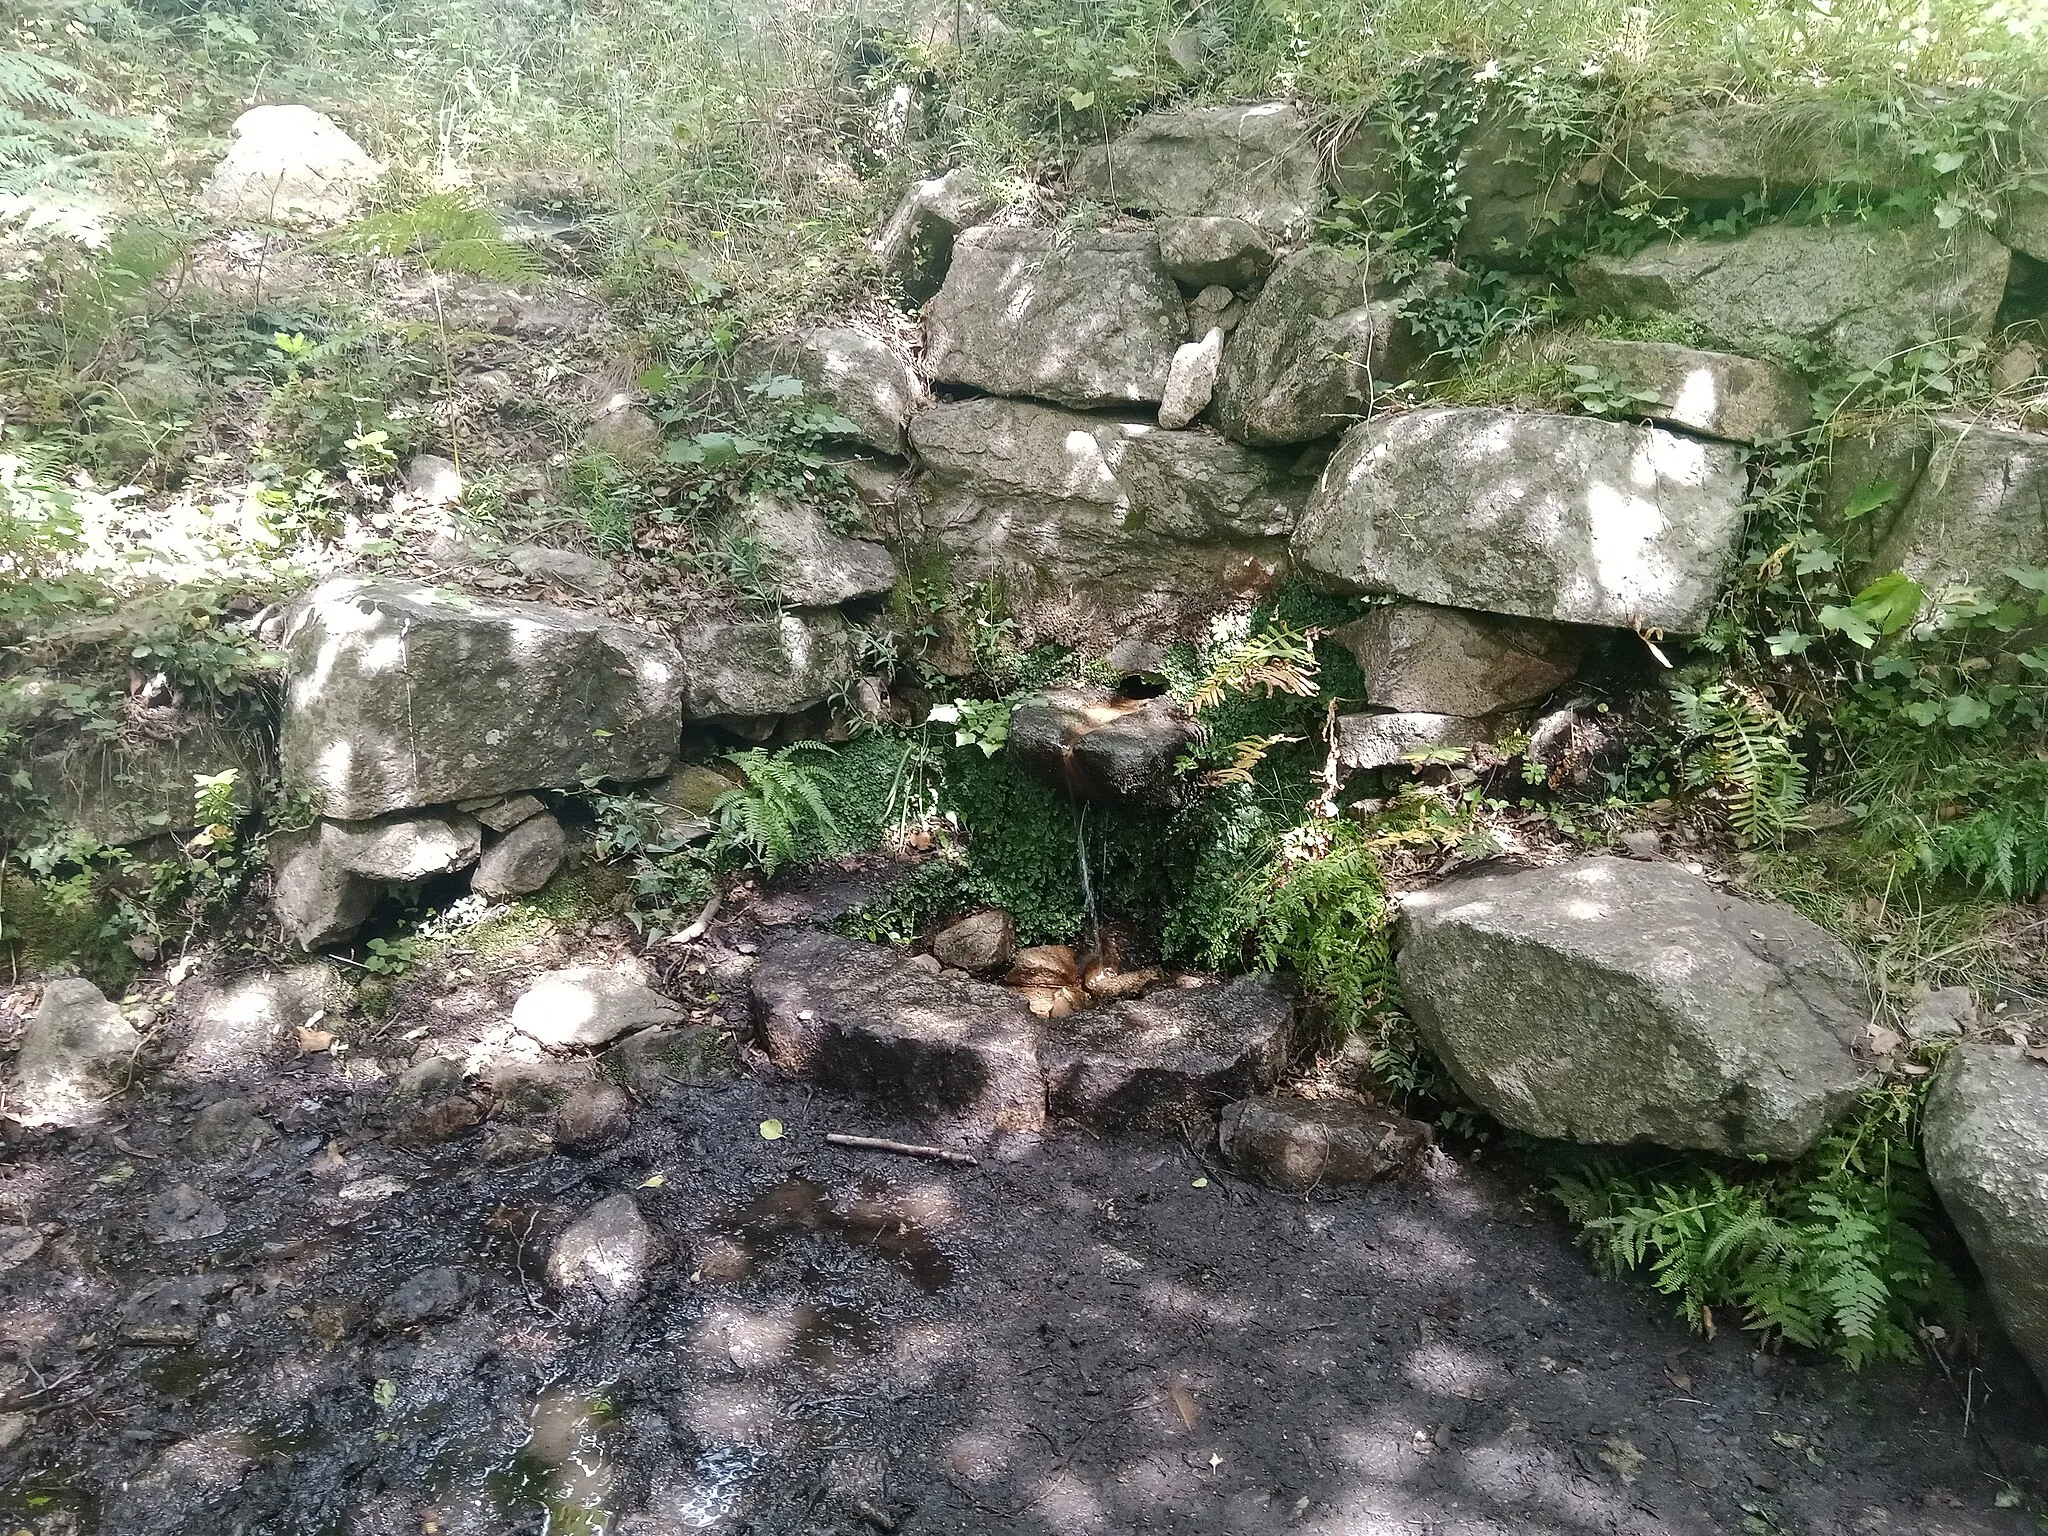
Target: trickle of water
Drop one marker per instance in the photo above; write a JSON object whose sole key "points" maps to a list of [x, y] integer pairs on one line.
{"points": [[1087, 880]]}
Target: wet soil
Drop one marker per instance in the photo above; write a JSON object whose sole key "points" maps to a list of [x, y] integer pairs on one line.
{"points": [[1080, 1335]]}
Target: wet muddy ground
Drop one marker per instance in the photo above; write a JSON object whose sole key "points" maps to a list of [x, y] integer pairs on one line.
{"points": [[1080, 1335]]}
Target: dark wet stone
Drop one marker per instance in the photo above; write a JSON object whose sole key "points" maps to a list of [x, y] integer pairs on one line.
{"points": [[181, 1214], [441, 1120], [171, 1310], [654, 1061], [1100, 747], [859, 1016], [595, 1116], [1169, 1057], [427, 1297], [507, 1146], [226, 1126], [610, 1249], [1301, 1143]]}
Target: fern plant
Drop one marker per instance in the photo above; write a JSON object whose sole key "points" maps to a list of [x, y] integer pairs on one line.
{"points": [[1742, 751], [1831, 1254], [1326, 918], [779, 813], [45, 123], [448, 232]]}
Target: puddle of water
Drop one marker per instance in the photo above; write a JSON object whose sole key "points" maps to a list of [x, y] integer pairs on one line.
{"points": [[565, 1466], [195, 1378], [717, 1483], [799, 1206], [563, 1469]]}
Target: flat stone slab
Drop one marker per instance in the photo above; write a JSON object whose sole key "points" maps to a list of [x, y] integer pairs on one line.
{"points": [[588, 1006], [1567, 518], [1865, 293], [1084, 320], [1716, 394], [859, 1016], [1304, 1143], [399, 694], [1168, 1058], [864, 1017]]}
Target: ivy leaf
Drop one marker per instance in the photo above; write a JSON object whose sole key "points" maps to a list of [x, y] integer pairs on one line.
{"points": [[1966, 711], [1849, 623], [1947, 214], [1868, 497], [1923, 712], [1891, 602], [1819, 558], [1950, 160], [1789, 642]]}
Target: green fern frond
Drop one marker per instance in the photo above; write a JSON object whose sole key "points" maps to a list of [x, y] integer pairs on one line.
{"points": [[447, 232]]}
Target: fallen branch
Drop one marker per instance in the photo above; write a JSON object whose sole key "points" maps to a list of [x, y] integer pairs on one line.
{"points": [[702, 922], [901, 1148]]}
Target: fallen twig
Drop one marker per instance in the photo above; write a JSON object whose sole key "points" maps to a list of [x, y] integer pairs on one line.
{"points": [[902, 1148], [700, 923]]}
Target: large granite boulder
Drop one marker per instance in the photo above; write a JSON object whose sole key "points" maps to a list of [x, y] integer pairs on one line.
{"points": [[1610, 1001], [1984, 1136], [1865, 293], [399, 694], [1258, 163], [1567, 518], [810, 565], [861, 1017], [1737, 149], [1965, 502], [1083, 319], [289, 164], [1304, 361], [126, 791], [1101, 748], [1098, 527], [1715, 394], [753, 669], [1445, 661], [76, 1051], [860, 376], [317, 901]]}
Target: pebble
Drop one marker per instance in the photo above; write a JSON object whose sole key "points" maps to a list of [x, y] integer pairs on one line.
{"points": [[594, 1117], [182, 1215], [427, 1297], [609, 1249]]}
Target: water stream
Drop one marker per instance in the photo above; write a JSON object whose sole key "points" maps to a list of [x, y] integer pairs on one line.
{"points": [[1087, 881]]}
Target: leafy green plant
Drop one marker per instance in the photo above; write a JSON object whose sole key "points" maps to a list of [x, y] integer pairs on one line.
{"points": [[1740, 749], [1600, 393], [1830, 1253], [983, 723], [768, 820], [1326, 919]]}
